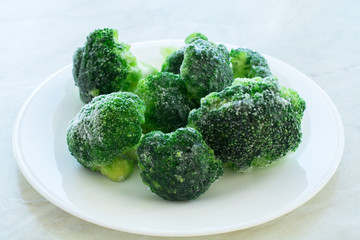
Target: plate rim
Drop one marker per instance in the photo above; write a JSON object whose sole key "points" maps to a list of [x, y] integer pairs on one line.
{"points": [[145, 231]]}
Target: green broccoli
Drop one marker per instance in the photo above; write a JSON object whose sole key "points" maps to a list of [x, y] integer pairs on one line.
{"points": [[105, 133], [251, 123], [195, 36], [167, 103], [105, 65], [174, 60], [247, 63], [177, 165], [205, 68]]}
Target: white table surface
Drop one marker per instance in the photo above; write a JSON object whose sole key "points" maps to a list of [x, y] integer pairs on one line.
{"points": [[320, 38]]}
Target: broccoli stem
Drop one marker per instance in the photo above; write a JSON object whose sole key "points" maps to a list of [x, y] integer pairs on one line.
{"points": [[119, 169]]}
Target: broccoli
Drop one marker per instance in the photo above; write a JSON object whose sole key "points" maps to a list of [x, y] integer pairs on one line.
{"points": [[105, 65], [177, 165], [205, 68], [251, 123], [247, 63], [105, 133], [167, 103], [195, 36], [174, 60]]}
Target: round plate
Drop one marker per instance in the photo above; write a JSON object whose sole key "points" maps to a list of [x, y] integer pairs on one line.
{"points": [[236, 201]]}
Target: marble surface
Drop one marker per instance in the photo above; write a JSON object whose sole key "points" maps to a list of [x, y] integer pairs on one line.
{"points": [[320, 38]]}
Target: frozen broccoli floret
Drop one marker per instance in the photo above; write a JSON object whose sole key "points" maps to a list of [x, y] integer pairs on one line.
{"points": [[166, 100], [173, 61], [105, 65], [205, 68], [251, 123], [177, 165], [104, 134], [195, 36], [247, 63]]}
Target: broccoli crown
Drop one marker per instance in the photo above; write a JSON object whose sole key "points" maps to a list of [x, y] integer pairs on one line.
{"points": [[104, 65], [107, 129], [195, 36], [173, 61], [205, 68], [247, 63], [167, 104], [177, 165], [251, 123]]}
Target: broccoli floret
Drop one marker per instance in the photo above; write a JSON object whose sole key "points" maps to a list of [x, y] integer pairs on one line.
{"points": [[251, 123], [166, 100], [105, 65], [205, 68], [177, 165], [247, 63], [195, 36], [104, 134], [173, 61]]}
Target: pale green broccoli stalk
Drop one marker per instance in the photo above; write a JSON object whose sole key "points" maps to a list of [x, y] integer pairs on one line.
{"points": [[105, 133], [105, 65], [205, 68], [247, 63], [177, 165], [251, 123], [167, 103]]}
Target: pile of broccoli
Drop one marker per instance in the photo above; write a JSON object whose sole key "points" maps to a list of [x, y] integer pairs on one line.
{"points": [[206, 109]]}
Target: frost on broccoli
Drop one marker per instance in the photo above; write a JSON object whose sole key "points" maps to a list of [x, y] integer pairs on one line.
{"points": [[173, 61], [105, 65], [167, 103], [104, 134], [204, 65], [177, 165], [195, 36], [247, 63], [205, 68], [251, 123]]}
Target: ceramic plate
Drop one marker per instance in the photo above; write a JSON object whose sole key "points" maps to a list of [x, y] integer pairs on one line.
{"points": [[236, 201]]}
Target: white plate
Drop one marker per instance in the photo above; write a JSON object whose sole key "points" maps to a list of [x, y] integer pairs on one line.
{"points": [[236, 201]]}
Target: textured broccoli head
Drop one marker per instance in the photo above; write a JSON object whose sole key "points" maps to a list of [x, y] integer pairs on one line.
{"points": [[251, 123], [167, 103], [105, 133], [247, 63], [205, 68], [173, 61], [195, 36], [177, 165], [104, 65]]}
